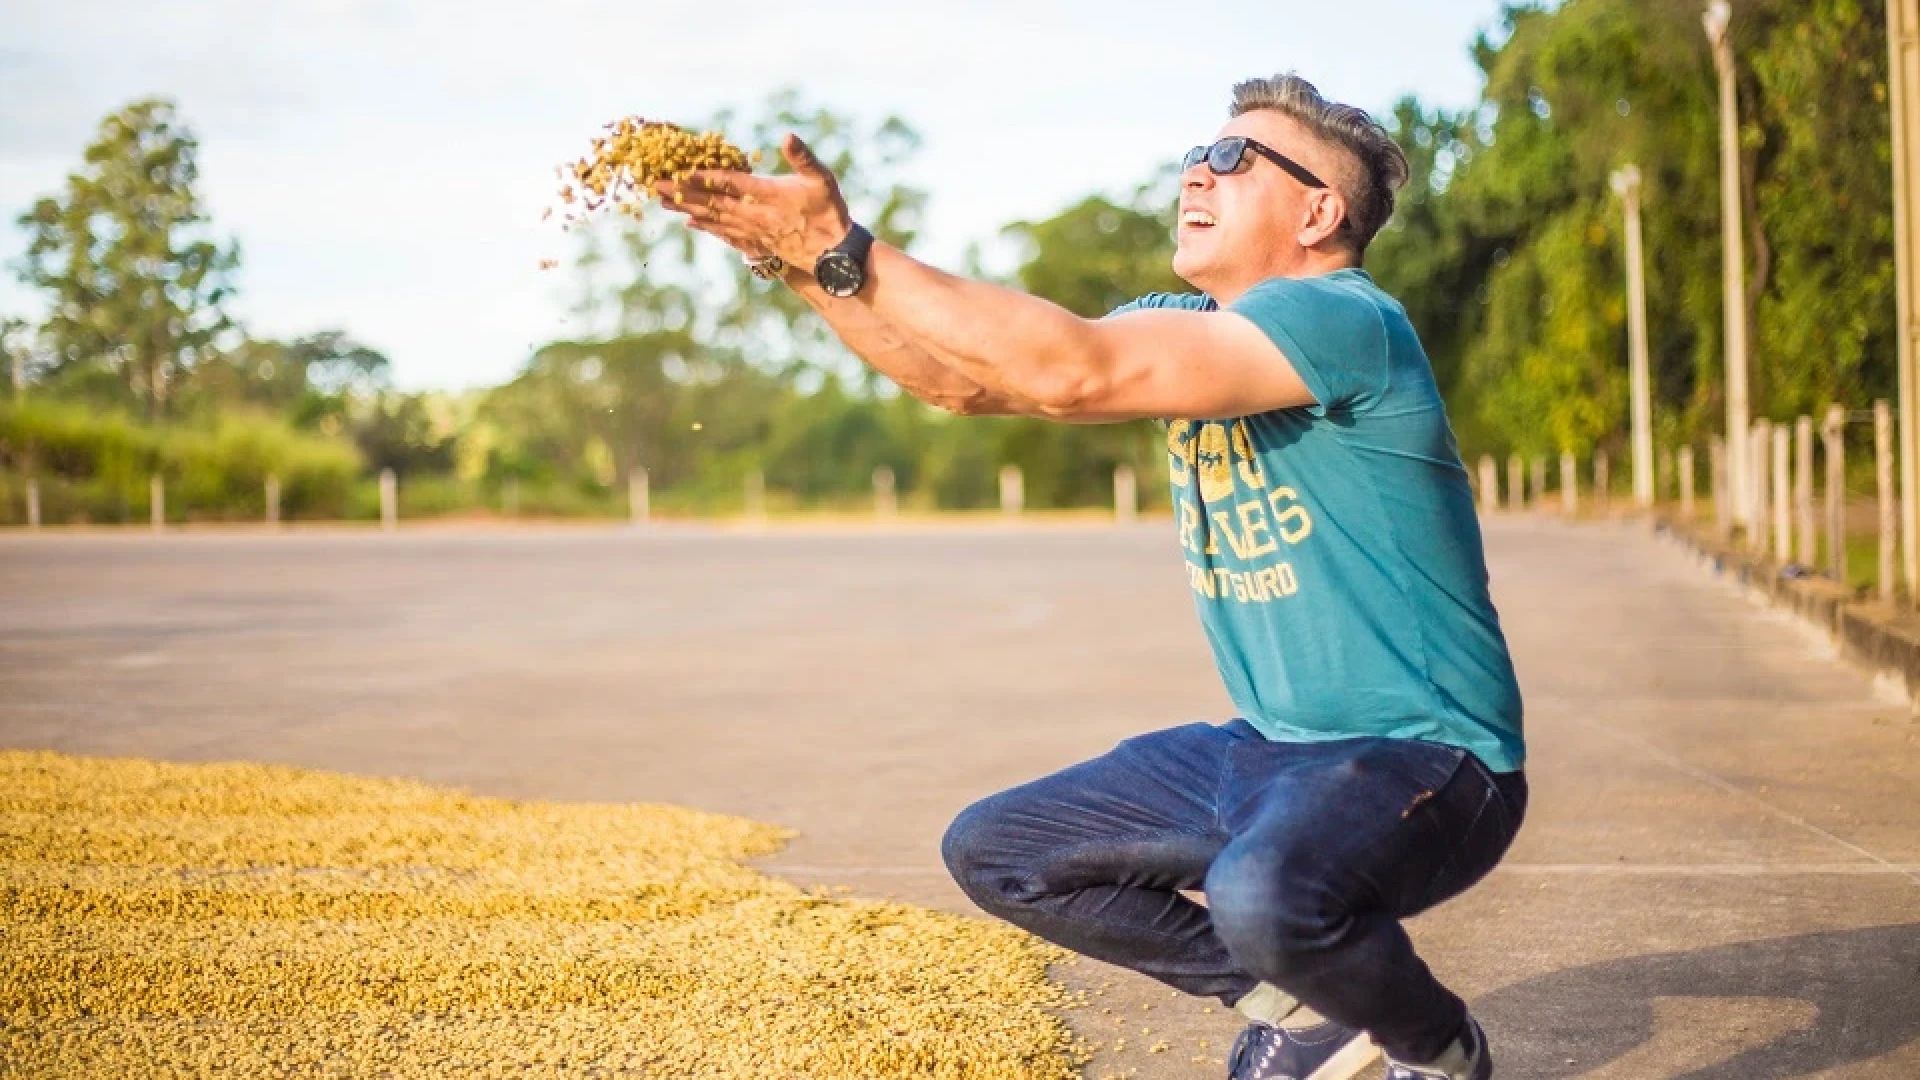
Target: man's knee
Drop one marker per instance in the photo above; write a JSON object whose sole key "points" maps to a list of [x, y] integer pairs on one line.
{"points": [[1272, 912], [978, 856]]}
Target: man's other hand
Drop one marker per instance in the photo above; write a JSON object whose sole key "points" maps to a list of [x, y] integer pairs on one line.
{"points": [[797, 217]]}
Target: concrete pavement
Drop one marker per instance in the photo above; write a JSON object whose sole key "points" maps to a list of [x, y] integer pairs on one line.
{"points": [[1719, 878]]}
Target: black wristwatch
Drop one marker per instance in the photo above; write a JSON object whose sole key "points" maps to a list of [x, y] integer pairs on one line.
{"points": [[842, 269]]}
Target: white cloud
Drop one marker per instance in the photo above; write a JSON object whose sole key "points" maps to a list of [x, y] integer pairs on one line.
{"points": [[383, 164]]}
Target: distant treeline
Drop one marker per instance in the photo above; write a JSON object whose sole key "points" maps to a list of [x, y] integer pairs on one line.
{"points": [[1507, 252]]}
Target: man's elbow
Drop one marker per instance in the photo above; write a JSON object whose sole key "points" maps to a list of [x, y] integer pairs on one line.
{"points": [[1077, 380], [1066, 396], [976, 402]]}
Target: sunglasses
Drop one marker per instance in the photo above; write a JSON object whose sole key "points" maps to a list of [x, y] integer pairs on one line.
{"points": [[1231, 155]]}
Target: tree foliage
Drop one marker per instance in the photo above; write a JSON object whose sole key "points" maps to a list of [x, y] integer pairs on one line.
{"points": [[1509, 249], [137, 287], [1506, 250]]}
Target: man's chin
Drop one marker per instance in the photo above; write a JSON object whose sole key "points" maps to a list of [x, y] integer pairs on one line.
{"points": [[1189, 269]]}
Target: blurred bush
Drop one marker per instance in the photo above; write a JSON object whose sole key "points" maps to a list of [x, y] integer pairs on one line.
{"points": [[95, 466]]}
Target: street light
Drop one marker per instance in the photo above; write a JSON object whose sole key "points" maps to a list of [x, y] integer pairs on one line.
{"points": [[1903, 69], [1626, 184], [1740, 474]]}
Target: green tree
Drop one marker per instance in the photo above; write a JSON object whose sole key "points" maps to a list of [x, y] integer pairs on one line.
{"points": [[135, 285], [307, 379], [1571, 96], [1508, 248], [1427, 256], [1818, 132], [403, 432], [1097, 254]]}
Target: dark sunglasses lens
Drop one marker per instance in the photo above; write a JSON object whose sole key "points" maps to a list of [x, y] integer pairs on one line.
{"points": [[1194, 157], [1227, 155]]}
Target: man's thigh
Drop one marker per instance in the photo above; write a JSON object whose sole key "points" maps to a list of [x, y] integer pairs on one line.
{"points": [[1365, 825], [1145, 813]]}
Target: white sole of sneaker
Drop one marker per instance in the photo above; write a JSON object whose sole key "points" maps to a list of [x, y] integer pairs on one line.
{"points": [[1348, 1063]]}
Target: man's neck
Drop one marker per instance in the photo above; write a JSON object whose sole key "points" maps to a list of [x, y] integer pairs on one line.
{"points": [[1309, 264]]}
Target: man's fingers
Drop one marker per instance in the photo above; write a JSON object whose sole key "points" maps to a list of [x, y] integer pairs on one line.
{"points": [[713, 212], [744, 241], [674, 196], [680, 196], [729, 227], [728, 182], [801, 157], [734, 239], [718, 182]]}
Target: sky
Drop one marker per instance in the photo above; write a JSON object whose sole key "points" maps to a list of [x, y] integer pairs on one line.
{"points": [[383, 165]]}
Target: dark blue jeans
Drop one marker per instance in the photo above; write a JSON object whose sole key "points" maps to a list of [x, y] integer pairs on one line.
{"points": [[1309, 855]]}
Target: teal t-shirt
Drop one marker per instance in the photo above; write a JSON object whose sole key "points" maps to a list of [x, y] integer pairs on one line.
{"points": [[1333, 550]]}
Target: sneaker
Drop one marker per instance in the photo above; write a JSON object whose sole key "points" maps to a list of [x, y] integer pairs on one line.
{"points": [[1323, 1052], [1477, 1063]]}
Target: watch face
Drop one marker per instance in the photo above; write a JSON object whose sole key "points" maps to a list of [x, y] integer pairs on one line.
{"points": [[839, 273]]}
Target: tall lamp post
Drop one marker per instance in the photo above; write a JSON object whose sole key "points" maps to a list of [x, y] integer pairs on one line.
{"points": [[1903, 77], [1733, 256], [1626, 184]]}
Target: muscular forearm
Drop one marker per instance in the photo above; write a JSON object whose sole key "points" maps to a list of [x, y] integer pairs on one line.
{"points": [[920, 371], [1016, 344], [915, 323]]}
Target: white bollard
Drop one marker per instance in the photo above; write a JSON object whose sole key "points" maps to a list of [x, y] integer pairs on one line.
{"points": [[389, 500], [1516, 483], [1782, 495], [1569, 485], [1889, 499], [1538, 497], [157, 501], [886, 501], [1759, 440], [1833, 433], [1126, 497], [639, 507], [1684, 461], [1013, 490], [33, 503], [273, 500], [1804, 542], [1717, 478], [1489, 484]]}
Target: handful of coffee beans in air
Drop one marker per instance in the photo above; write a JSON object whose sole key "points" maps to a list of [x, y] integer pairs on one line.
{"points": [[635, 154]]}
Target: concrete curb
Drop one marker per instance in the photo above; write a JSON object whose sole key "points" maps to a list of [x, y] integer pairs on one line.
{"points": [[1885, 639]]}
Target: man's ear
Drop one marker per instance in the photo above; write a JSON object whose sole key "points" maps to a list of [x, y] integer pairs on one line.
{"points": [[1326, 213]]}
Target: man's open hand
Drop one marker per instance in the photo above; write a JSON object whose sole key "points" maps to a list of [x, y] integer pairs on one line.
{"points": [[797, 217]]}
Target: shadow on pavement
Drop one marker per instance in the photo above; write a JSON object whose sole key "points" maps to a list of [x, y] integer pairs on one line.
{"points": [[1853, 990]]}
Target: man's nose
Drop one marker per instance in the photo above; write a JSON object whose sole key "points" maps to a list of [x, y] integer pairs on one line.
{"points": [[1199, 177]]}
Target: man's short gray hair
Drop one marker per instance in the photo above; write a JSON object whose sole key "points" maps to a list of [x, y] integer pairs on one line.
{"points": [[1382, 164]]}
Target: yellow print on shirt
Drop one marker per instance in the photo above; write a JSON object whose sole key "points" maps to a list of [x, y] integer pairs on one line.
{"points": [[1216, 473], [1251, 528], [1267, 584], [1216, 451], [1252, 520]]}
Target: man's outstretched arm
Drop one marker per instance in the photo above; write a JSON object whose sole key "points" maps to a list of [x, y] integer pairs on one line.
{"points": [[907, 363], [1026, 350], [1148, 363]]}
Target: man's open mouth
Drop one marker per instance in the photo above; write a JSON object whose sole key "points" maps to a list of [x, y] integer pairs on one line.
{"points": [[1198, 219]]}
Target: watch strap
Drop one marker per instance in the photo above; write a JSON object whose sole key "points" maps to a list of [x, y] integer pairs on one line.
{"points": [[857, 244]]}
